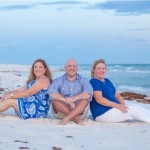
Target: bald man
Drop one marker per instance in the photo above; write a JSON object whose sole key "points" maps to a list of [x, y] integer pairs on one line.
{"points": [[70, 95]]}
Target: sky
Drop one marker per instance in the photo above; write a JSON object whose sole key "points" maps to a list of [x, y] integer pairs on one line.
{"points": [[56, 30]]}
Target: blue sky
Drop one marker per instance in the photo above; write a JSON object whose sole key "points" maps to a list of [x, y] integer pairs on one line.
{"points": [[55, 30]]}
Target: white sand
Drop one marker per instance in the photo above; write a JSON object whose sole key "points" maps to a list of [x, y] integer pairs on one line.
{"points": [[45, 134]]}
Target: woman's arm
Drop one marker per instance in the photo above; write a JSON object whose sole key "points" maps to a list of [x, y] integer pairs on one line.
{"points": [[103, 101], [41, 83], [8, 94], [119, 98], [14, 91]]}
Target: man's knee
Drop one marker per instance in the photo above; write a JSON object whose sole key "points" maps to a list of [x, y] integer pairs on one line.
{"points": [[55, 102], [83, 102], [82, 105]]}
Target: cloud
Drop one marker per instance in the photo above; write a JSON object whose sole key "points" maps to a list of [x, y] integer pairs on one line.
{"points": [[62, 2], [121, 7], [16, 7], [9, 46], [139, 29], [124, 7], [29, 6], [130, 39]]}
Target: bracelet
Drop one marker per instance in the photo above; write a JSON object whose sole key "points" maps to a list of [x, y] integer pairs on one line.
{"points": [[12, 95]]}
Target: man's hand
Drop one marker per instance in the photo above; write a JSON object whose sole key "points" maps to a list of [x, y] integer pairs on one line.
{"points": [[70, 102]]}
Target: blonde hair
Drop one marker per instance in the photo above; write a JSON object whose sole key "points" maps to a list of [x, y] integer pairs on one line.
{"points": [[48, 73], [95, 64]]}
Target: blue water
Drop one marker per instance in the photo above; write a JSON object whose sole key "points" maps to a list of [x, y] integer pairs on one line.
{"points": [[127, 77]]}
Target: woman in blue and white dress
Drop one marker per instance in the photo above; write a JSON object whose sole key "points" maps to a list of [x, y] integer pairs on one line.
{"points": [[31, 100]]}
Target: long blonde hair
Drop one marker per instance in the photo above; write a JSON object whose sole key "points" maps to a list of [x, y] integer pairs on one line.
{"points": [[48, 73], [95, 64]]}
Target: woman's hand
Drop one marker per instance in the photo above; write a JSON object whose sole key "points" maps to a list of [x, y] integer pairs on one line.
{"points": [[122, 107], [3, 96], [6, 96]]}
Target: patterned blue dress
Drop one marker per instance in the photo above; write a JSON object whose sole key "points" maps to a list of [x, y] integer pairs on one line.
{"points": [[34, 106]]}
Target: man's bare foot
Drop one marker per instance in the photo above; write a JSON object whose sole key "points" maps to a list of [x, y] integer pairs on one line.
{"points": [[1, 100], [63, 122], [79, 121]]}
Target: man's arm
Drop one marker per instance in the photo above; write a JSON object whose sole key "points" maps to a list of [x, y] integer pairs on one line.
{"points": [[53, 90], [84, 95], [87, 90], [57, 96]]}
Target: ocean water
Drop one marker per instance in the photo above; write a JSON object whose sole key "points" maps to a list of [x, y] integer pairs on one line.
{"points": [[125, 77]]}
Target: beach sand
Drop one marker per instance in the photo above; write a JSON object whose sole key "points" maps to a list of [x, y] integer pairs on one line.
{"points": [[45, 134]]}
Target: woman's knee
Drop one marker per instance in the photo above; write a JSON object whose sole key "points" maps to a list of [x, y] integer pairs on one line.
{"points": [[132, 107], [13, 103]]}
